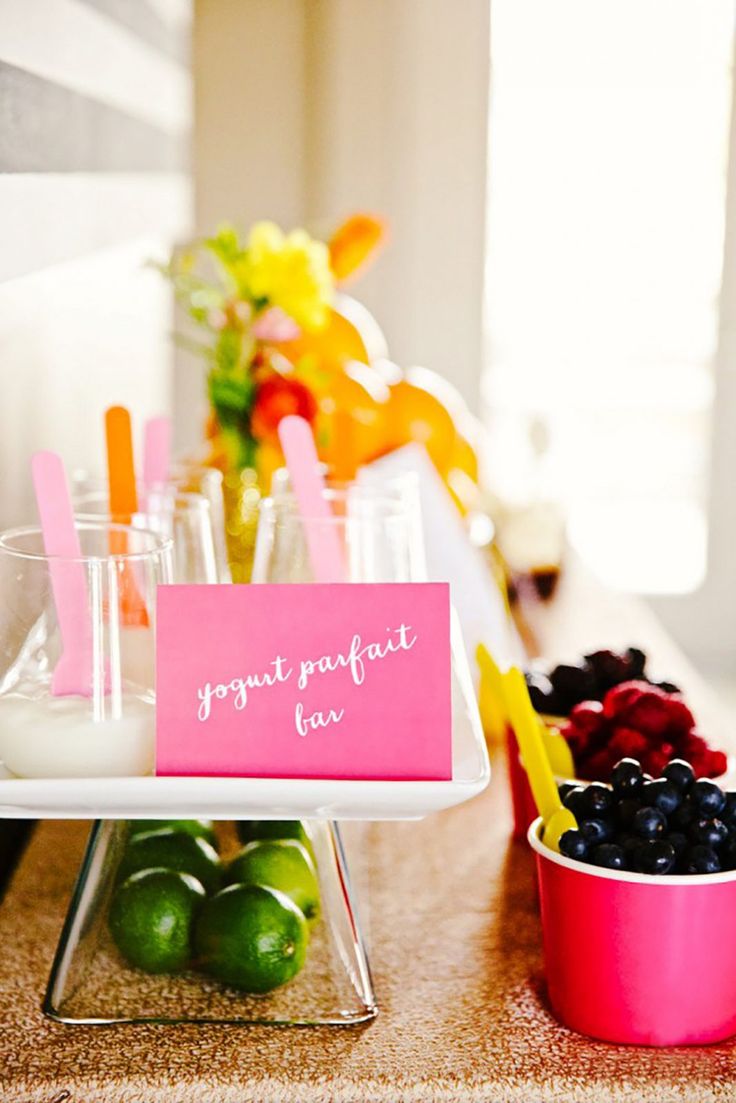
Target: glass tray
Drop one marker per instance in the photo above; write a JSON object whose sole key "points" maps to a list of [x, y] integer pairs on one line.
{"points": [[91, 984]]}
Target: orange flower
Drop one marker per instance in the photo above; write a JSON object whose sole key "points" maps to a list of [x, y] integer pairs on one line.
{"points": [[354, 243], [278, 396]]}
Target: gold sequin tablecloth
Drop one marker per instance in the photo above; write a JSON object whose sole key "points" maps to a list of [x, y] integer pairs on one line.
{"points": [[455, 953]]}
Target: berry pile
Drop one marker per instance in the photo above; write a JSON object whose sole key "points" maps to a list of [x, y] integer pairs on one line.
{"points": [[637, 720], [676, 824], [588, 680]]}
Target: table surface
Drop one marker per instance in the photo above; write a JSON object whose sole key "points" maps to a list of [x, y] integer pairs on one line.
{"points": [[455, 953]]}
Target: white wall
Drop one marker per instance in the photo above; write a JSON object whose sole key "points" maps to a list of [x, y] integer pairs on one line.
{"points": [[94, 117], [306, 110], [398, 124]]}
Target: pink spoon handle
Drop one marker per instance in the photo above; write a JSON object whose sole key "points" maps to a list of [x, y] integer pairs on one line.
{"points": [[73, 672], [156, 451], [325, 551]]}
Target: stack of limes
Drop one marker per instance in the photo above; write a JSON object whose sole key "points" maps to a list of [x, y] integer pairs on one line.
{"points": [[170, 912]]}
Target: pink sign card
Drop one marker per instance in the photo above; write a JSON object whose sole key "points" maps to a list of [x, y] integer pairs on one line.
{"points": [[304, 681]]}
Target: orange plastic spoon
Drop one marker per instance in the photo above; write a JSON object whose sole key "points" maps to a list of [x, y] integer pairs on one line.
{"points": [[123, 505]]}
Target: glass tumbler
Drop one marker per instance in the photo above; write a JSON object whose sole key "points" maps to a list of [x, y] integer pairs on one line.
{"points": [[77, 691], [209, 482], [185, 518], [379, 536], [185, 478]]}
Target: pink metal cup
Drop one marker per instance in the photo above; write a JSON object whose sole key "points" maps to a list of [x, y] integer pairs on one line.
{"points": [[638, 959]]}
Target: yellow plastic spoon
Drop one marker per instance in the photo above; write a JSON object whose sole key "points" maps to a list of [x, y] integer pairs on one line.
{"points": [[491, 700], [493, 714], [558, 751], [556, 818]]}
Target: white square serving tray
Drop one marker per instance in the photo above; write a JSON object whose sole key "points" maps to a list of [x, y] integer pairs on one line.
{"points": [[226, 798]]}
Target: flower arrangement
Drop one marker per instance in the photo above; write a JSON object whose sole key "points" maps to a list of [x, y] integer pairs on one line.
{"points": [[279, 336], [259, 302]]}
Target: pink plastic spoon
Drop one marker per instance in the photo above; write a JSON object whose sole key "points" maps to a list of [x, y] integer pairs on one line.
{"points": [[325, 551], [156, 451], [73, 672]]}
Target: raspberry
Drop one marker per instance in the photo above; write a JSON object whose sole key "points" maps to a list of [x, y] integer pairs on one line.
{"points": [[597, 766], [717, 763], [656, 761], [696, 747], [680, 717], [649, 714], [628, 743], [587, 717], [576, 740], [620, 698]]}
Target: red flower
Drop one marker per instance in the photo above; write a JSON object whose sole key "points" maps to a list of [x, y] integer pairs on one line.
{"points": [[277, 397]]}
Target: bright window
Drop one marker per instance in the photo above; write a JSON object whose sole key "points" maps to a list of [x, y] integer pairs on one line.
{"points": [[608, 151]]}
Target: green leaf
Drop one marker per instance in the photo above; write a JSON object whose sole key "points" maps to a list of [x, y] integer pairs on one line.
{"points": [[232, 258], [228, 349], [225, 245], [231, 395]]}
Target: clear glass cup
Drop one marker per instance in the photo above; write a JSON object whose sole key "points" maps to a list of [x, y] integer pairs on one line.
{"points": [[103, 641], [185, 518], [380, 536], [185, 477], [369, 498], [90, 982], [191, 477]]}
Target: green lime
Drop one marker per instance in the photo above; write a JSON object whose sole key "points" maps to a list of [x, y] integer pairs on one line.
{"points": [[171, 849], [282, 864], [201, 829], [151, 916], [251, 937], [249, 830]]}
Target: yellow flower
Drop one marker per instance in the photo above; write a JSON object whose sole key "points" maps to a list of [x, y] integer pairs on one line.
{"points": [[291, 271]]}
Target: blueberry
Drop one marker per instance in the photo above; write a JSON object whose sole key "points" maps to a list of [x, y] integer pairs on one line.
{"points": [[573, 845], [596, 831], [609, 669], [628, 843], [666, 687], [597, 801], [565, 788], [661, 794], [680, 774], [541, 693], [609, 856], [684, 816], [649, 823], [678, 841], [710, 833], [574, 801], [655, 856], [701, 859], [728, 815], [573, 683], [708, 798], [728, 853], [637, 661], [626, 777], [625, 811]]}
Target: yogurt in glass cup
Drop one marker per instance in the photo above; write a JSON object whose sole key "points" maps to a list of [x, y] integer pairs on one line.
{"points": [[109, 730]]}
